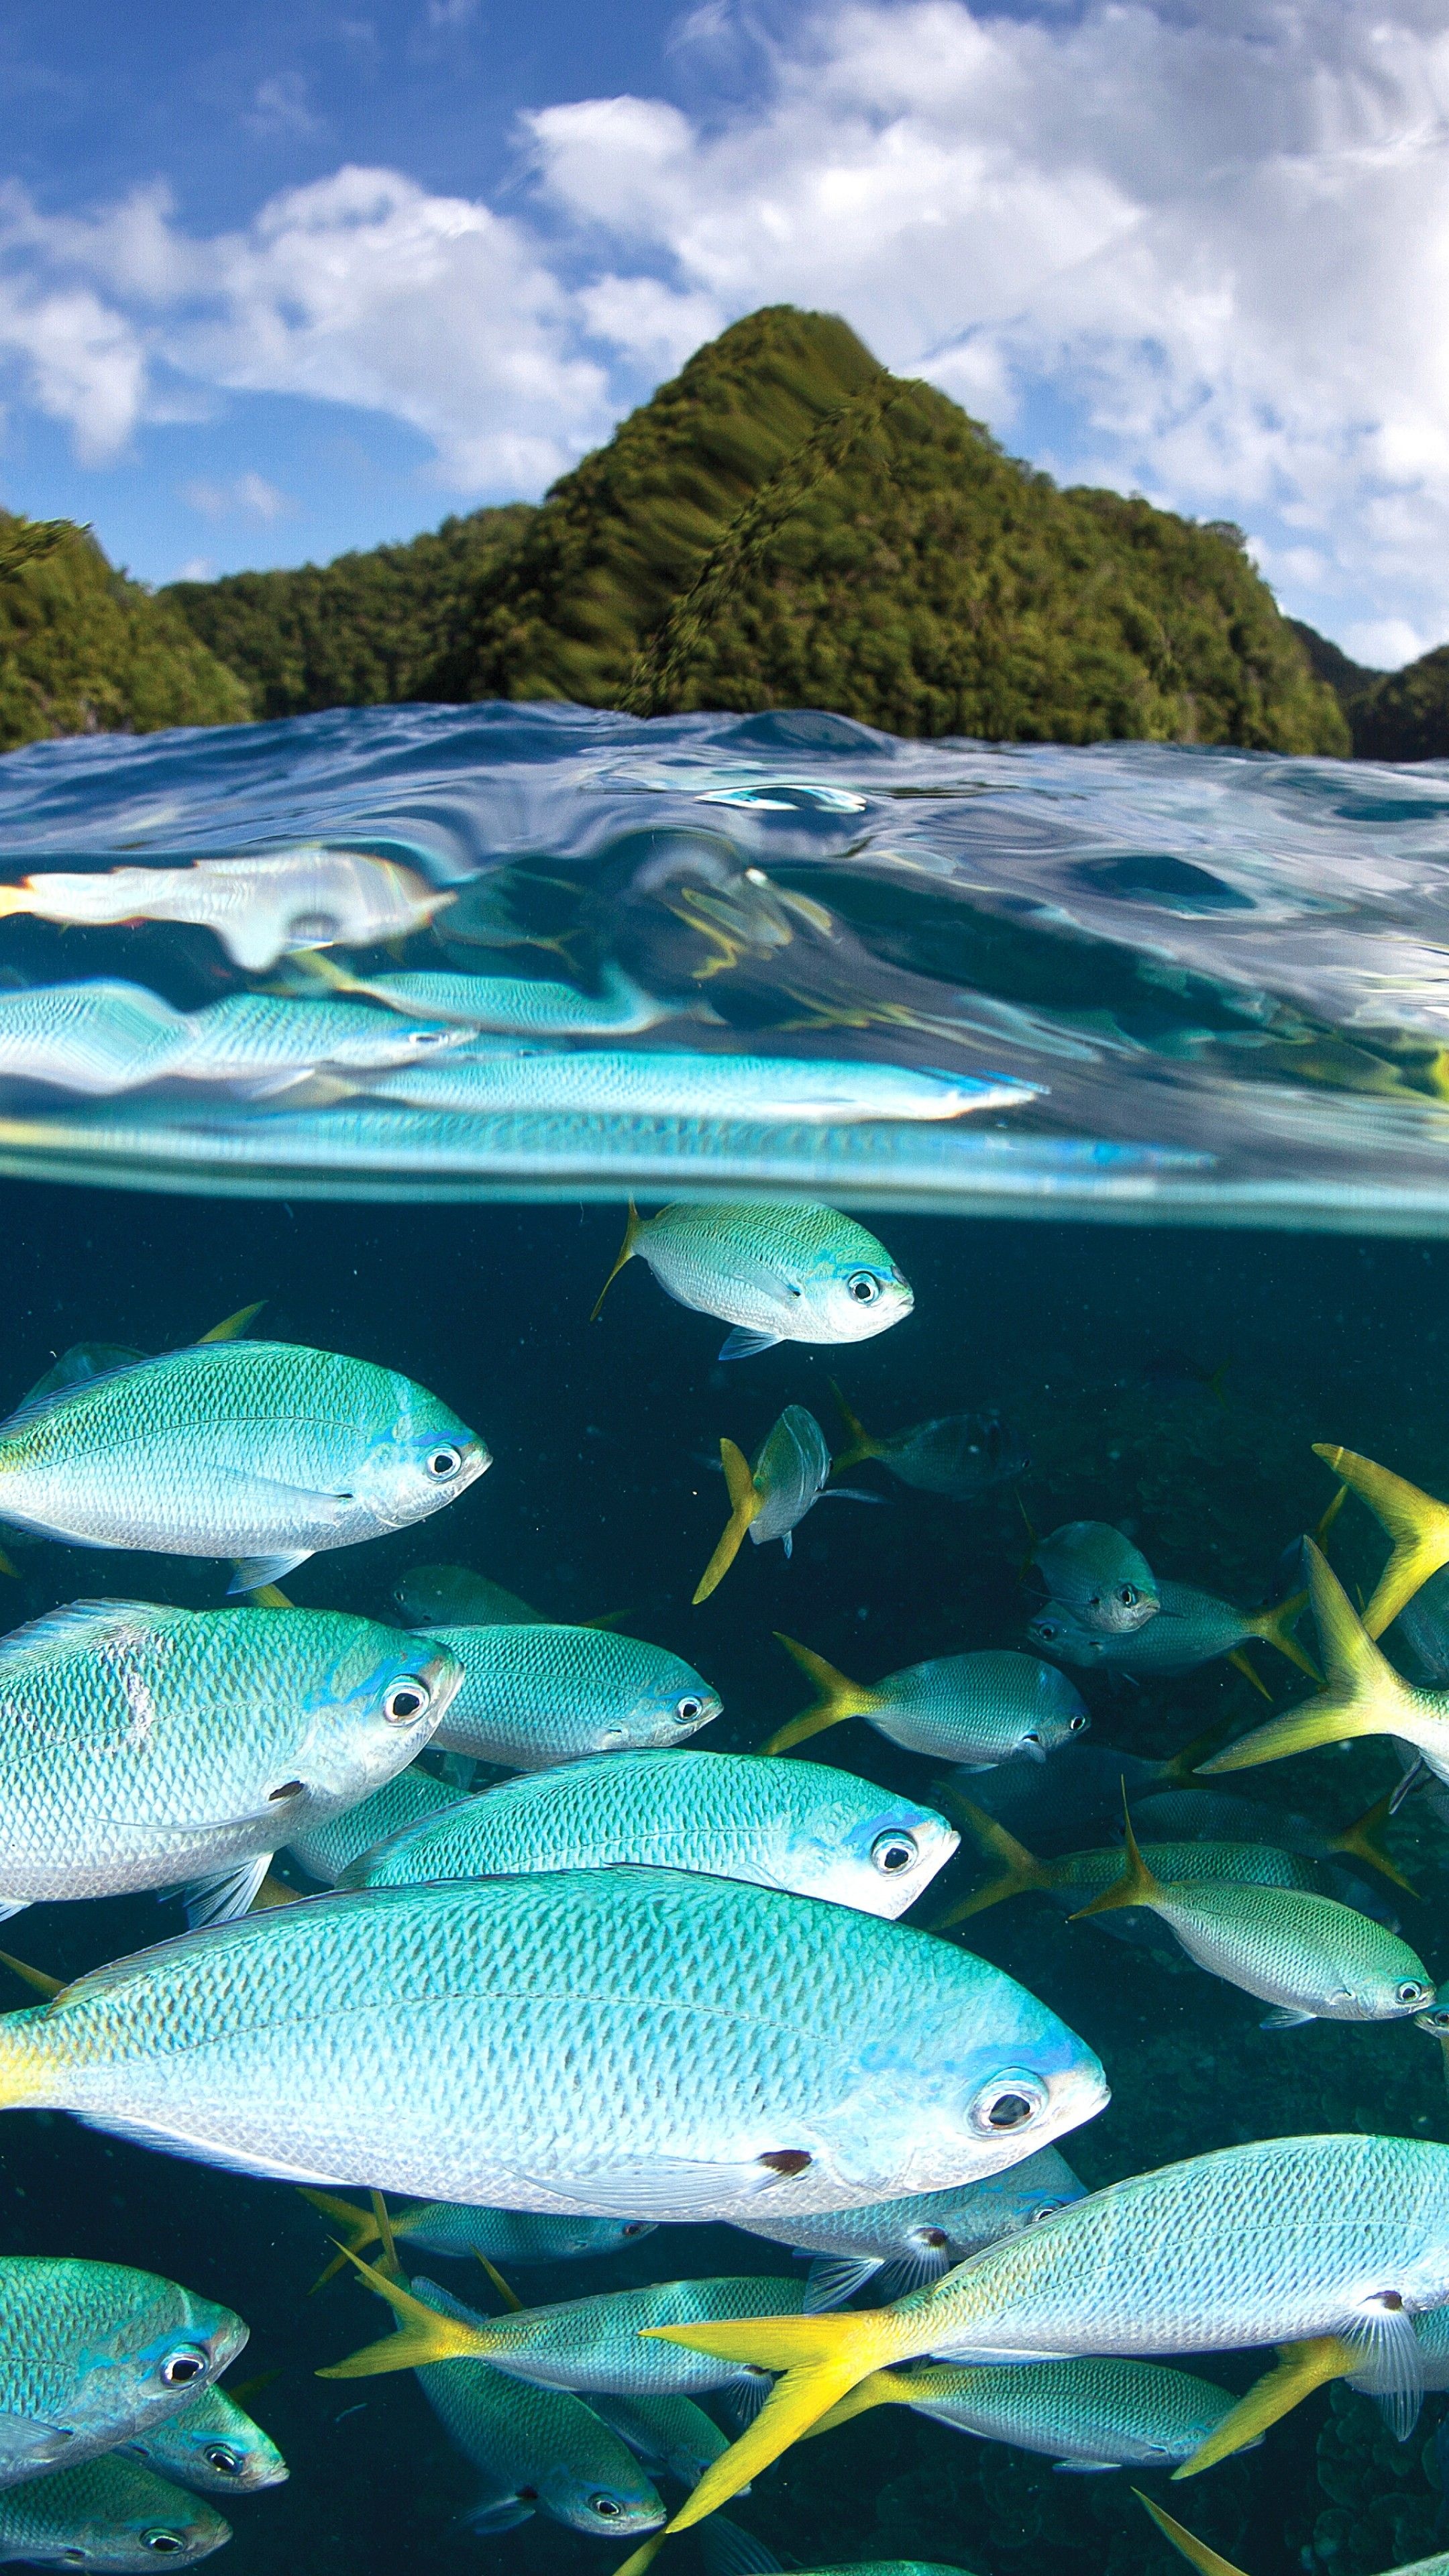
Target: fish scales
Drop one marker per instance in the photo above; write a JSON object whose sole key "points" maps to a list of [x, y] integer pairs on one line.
{"points": [[329, 1847], [100, 2350], [629, 2042], [109, 2513], [536, 1695], [600, 2343]]}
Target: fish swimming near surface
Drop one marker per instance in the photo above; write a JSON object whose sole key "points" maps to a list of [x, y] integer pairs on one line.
{"points": [[259, 908], [770, 1497], [1207, 2255], [461, 2234], [107, 2514], [898, 2244], [96, 2354], [959, 1455], [535, 1696], [260, 1044], [1306, 1955], [98, 1038], [539, 2449], [776, 1271], [1189, 1628], [1085, 2415], [802, 1826], [325, 1850], [142, 1746], [977, 1709], [1099, 1576], [667, 1083], [427, 2041], [515, 1005], [213, 2446], [265, 1452]]}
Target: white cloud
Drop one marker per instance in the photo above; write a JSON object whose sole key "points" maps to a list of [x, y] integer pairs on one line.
{"points": [[279, 106], [249, 495], [198, 568]]}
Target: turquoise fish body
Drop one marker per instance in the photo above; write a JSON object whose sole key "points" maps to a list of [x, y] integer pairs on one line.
{"points": [[533, 1696], [211, 2446], [96, 2354], [107, 2515]]}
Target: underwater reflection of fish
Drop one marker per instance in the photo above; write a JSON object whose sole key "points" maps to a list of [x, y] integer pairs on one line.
{"points": [[776, 1271], [1085, 2415], [168, 1745], [901, 2243], [96, 2354], [460, 2233], [265, 1452], [1190, 1628], [1206, 2255], [733, 1815], [667, 1083], [959, 1455], [770, 1497], [259, 908], [109, 2514], [1305, 1955], [515, 1005], [212, 2446], [538, 2449], [1364, 1694], [977, 1709], [1096, 1574], [428, 2041], [531, 1697]]}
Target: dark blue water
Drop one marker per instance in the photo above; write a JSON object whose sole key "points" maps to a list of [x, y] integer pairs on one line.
{"points": [[1226, 969]]}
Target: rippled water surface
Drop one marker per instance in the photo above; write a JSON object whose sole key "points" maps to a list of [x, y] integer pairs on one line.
{"points": [[1227, 973]]}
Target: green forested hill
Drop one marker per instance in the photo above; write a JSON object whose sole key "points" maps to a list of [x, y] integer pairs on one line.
{"points": [[85, 650], [366, 630]]}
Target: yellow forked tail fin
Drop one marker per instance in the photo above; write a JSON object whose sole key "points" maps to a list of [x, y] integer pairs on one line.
{"points": [[822, 2357], [1300, 2368], [1275, 1627], [1365, 1696], [355, 2228], [1136, 1886], [744, 1497], [838, 1699], [883, 2388], [633, 1228], [1362, 1840], [643, 2557], [15, 898], [1417, 1524], [1195, 2551], [859, 1444], [423, 2334], [1020, 1869]]}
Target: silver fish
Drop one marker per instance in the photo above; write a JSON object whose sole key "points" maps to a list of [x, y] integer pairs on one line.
{"points": [[770, 1497], [535, 1696], [326, 1850], [1085, 2415], [259, 908], [212, 2446], [776, 1272], [978, 1709], [1099, 1576], [650, 1083], [901, 2243], [107, 2515]]}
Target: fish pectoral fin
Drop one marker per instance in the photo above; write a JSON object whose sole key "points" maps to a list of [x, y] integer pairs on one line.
{"points": [[729, 2551], [260, 1573], [661, 2184], [834, 2278], [26, 2442], [493, 2513], [1390, 2363], [744, 1343], [226, 1894], [913, 2271], [1285, 2017]]}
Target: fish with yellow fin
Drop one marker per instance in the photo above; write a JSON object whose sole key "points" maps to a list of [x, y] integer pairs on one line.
{"points": [[770, 1497], [958, 1455], [1189, 1628], [976, 1709], [778, 1271], [1417, 1524], [1210, 2562]]}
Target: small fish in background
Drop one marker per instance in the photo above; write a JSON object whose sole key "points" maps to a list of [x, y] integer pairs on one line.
{"points": [[655, 1083], [801, 1826], [533, 1696], [1364, 1694], [770, 1496], [1084, 2415], [107, 2514], [513, 1005], [777, 1270], [260, 908], [96, 2354], [1307, 1956], [213, 2447], [265, 1452], [975, 1709], [1189, 1628], [959, 1455], [1175, 1373], [671, 2435], [538, 2449], [901, 2244], [1072, 1875], [431, 1596], [1098, 1576], [459, 2232]]}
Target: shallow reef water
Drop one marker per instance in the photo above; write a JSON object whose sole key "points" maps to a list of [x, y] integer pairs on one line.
{"points": [[1228, 976]]}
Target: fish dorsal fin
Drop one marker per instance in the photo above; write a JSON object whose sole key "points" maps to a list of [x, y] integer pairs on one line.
{"points": [[77, 1366], [77, 1625], [232, 1328]]}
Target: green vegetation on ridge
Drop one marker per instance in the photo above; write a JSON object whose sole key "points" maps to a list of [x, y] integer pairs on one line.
{"points": [[83, 649]]}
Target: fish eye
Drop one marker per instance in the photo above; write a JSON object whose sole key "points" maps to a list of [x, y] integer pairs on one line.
{"points": [[443, 1463], [607, 2507], [164, 2542], [1076, 1725], [688, 1709], [863, 1286], [634, 2227], [1010, 2101], [1041, 2209], [219, 2456], [935, 2236], [1410, 1990], [892, 1852], [1128, 1595], [406, 1699], [183, 2368]]}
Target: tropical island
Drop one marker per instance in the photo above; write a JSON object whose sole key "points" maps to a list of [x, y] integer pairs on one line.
{"points": [[784, 523]]}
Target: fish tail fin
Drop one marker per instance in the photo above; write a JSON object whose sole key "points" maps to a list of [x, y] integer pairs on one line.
{"points": [[643, 2557], [744, 1508], [1417, 1524], [633, 1228], [838, 1699], [1240, 1663], [1299, 2369], [821, 2357], [1196, 2552], [1136, 1886], [1364, 1695], [1340, 1497], [272, 1893], [510, 2297], [358, 2229], [1020, 1869], [24, 2058], [232, 1328], [883, 2388], [1182, 1765], [1216, 1380], [1363, 1840], [1275, 1627], [859, 1444], [422, 2335], [15, 898], [385, 2237], [314, 965]]}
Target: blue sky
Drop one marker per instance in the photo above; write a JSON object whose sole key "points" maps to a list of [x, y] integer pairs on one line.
{"points": [[291, 278]]}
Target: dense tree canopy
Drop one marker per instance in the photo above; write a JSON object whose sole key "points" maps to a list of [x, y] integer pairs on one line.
{"points": [[85, 650]]}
